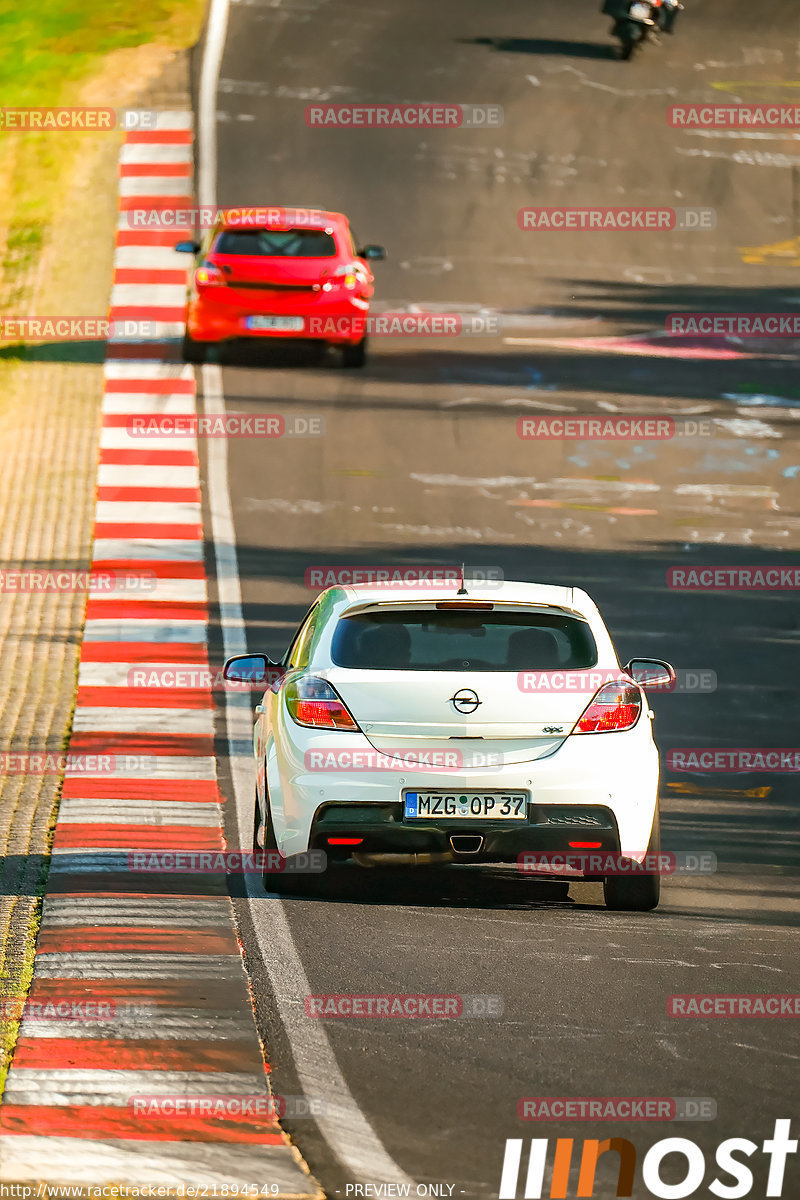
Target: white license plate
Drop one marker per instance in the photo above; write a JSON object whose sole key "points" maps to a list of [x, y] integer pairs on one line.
{"points": [[505, 806], [275, 324]]}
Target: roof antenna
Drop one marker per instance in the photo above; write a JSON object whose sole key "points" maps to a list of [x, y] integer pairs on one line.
{"points": [[462, 591]]}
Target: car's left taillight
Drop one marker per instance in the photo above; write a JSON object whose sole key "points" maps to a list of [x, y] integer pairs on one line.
{"points": [[208, 276], [313, 702], [615, 707]]}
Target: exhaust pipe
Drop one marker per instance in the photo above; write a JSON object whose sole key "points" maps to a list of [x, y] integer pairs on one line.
{"points": [[466, 843], [384, 859]]}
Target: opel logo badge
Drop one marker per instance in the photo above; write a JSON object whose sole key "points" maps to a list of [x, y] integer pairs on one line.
{"points": [[465, 700]]}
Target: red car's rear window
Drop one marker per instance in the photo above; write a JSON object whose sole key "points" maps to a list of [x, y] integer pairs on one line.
{"points": [[276, 243]]}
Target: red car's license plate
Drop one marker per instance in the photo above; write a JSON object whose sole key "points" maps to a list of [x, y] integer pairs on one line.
{"points": [[275, 324]]}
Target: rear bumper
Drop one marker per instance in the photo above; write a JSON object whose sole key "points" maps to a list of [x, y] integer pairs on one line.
{"points": [[383, 830], [219, 316], [613, 774]]}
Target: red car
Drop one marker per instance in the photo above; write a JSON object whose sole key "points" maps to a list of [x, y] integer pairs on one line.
{"points": [[280, 273]]}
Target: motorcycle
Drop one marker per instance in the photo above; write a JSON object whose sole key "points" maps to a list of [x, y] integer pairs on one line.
{"points": [[637, 21]]}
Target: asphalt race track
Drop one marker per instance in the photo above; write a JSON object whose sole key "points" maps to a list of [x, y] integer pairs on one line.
{"points": [[420, 463]]}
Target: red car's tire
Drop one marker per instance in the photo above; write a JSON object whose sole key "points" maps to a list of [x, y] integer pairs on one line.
{"points": [[192, 351], [355, 355]]}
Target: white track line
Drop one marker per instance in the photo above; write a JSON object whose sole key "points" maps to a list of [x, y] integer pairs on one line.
{"points": [[346, 1129], [216, 34]]}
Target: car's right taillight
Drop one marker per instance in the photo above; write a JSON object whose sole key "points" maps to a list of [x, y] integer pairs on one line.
{"points": [[349, 276], [313, 702], [615, 707], [208, 276]]}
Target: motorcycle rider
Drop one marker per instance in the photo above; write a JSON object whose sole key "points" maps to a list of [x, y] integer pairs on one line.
{"points": [[664, 11]]}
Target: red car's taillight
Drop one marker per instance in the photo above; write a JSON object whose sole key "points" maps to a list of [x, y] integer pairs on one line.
{"points": [[314, 703], [616, 706], [208, 275], [349, 275], [349, 281]]}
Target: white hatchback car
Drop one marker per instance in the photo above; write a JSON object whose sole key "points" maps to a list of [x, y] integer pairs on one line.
{"points": [[479, 724]]}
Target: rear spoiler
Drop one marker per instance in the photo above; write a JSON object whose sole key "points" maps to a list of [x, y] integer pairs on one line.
{"points": [[364, 606]]}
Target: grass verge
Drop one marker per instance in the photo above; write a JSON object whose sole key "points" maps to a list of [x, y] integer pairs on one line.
{"points": [[62, 53]]}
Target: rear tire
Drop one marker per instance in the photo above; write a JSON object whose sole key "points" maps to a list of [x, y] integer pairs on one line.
{"points": [[630, 37], [636, 893], [355, 356], [256, 823], [288, 882], [193, 352], [273, 881]]}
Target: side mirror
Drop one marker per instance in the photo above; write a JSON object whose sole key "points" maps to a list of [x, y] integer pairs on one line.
{"points": [[652, 673], [187, 247], [375, 253], [251, 668]]}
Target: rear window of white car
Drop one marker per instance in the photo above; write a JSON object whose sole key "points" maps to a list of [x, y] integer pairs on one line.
{"points": [[452, 641], [276, 243]]}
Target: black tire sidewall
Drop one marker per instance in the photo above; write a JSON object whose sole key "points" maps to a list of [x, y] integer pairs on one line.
{"points": [[636, 893]]}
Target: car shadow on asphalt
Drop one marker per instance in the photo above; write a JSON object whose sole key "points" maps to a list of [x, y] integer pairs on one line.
{"points": [[492, 889], [486, 887], [550, 46]]}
